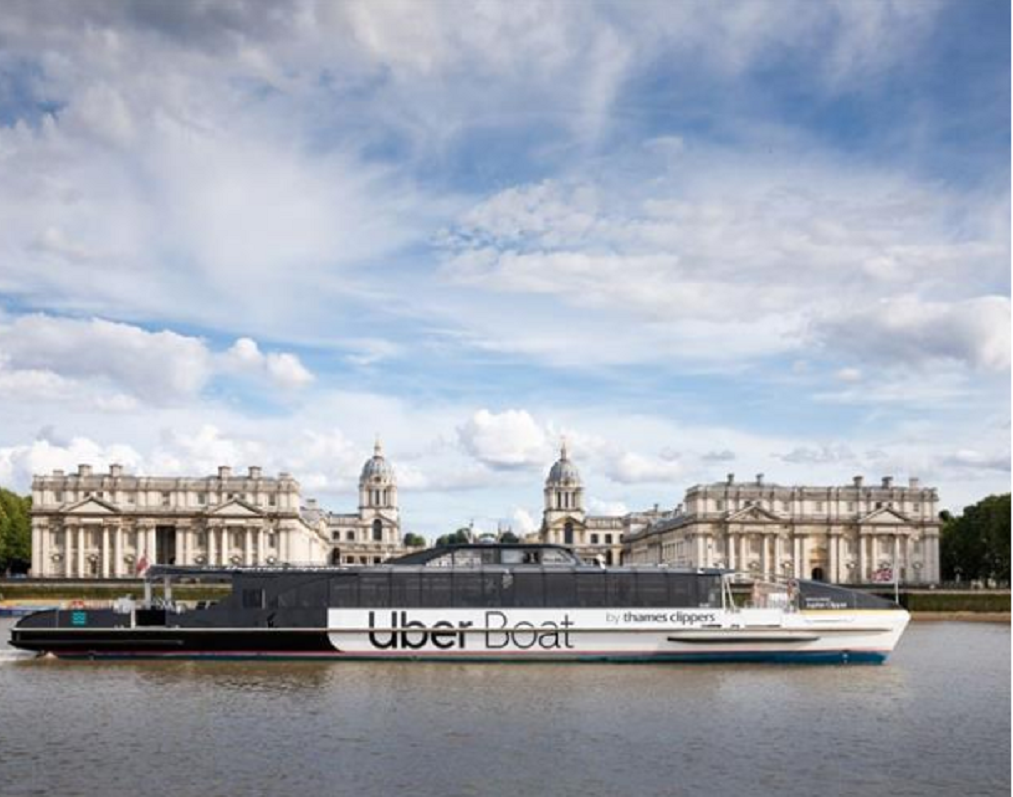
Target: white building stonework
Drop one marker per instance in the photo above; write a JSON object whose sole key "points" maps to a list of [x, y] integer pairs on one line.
{"points": [[373, 534], [847, 534], [108, 525]]}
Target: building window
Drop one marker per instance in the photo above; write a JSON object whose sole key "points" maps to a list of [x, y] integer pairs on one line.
{"points": [[916, 508], [270, 540], [336, 536], [377, 531], [202, 498], [851, 506], [131, 498], [166, 499], [58, 496], [594, 539], [272, 500], [719, 505], [608, 539], [819, 506], [568, 533], [786, 506], [350, 536]]}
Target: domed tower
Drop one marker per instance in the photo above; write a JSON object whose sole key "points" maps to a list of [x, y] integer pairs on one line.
{"points": [[563, 519], [377, 484], [378, 510]]}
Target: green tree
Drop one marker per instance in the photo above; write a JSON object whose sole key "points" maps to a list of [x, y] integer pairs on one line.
{"points": [[509, 538], [459, 537], [976, 544], [414, 540], [15, 531]]}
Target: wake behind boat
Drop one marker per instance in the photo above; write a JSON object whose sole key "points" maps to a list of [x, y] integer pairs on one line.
{"points": [[480, 602]]}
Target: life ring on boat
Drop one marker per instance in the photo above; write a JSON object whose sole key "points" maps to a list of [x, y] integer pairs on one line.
{"points": [[78, 604]]}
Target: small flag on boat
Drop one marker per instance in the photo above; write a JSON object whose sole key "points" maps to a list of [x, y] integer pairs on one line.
{"points": [[142, 564]]}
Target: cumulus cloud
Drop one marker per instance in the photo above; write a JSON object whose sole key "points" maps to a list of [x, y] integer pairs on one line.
{"points": [[819, 455], [509, 439], [285, 370], [632, 468]]}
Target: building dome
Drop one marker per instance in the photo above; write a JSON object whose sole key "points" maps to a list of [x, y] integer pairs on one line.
{"points": [[563, 471], [377, 468]]}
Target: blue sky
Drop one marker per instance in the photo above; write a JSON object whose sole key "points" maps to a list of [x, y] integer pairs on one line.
{"points": [[694, 238]]}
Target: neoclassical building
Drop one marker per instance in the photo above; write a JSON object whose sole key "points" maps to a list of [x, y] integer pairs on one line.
{"points": [[373, 533], [565, 521], [110, 525], [848, 534], [113, 524]]}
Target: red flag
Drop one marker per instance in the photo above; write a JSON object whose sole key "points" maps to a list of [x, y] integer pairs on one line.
{"points": [[142, 564]]}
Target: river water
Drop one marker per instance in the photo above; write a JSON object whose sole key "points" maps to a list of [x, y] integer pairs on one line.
{"points": [[934, 720]]}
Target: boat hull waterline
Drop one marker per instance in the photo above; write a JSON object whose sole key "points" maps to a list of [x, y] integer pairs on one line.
{"points": [[624, 635]]}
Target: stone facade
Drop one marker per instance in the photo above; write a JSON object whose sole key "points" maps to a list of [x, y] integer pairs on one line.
{"points": [[109, 525], [373, 534], [847, 534]]}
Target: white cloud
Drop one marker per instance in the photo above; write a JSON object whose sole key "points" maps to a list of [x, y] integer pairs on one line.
{"points": [[509, 439], [523, 522], [632, 468], [913, 331], [597, 506]]}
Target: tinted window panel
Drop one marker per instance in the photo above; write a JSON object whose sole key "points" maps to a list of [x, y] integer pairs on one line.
{"points": [[620, 589], [404, 589], [682, 589], [527, 589], [374, 589], [467, 590], [436, 589], [559, 589], [708, 591], [591, 590], [345, 590], [652, 589]]}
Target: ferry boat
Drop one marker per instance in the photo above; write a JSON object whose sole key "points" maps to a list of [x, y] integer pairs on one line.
{"points": [[482, 602]]}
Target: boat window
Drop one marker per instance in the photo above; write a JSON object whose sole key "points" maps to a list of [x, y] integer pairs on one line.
{"points": [[559, 589], [526, 589], [652, 589], [553, 556], [682, 589], [374, 589], [467, 589], [436, 589], [253, 599], [708, 591], [591, 590], [345, 590], [619, 587], [512, 556], [404, 589], [474, 557], [444, 560]]}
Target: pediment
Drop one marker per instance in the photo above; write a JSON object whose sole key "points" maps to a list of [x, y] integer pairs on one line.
{"points": [[92, 506], [885, 516], [235, 508], [751, 513]]}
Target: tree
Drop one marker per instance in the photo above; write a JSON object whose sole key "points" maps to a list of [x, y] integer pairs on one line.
{"points": [[976, 545], [459, 537], [15, 531], [414, 540], [509, 538]]}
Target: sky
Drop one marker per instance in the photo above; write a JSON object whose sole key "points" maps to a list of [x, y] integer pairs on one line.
{"points": [[693, 238]]}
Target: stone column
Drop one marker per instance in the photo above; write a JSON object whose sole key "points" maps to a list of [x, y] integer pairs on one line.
{"points": [[211, 544], [861, 557], [832, 540], [731, 559], [247, 546], [44, 560], [80, 551], [150, 548], [778, 554], [68, 546], [261, 553], [763, 555], [895, 564], [909, 573], [118, 551], [36, 550], [105, 551]]}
